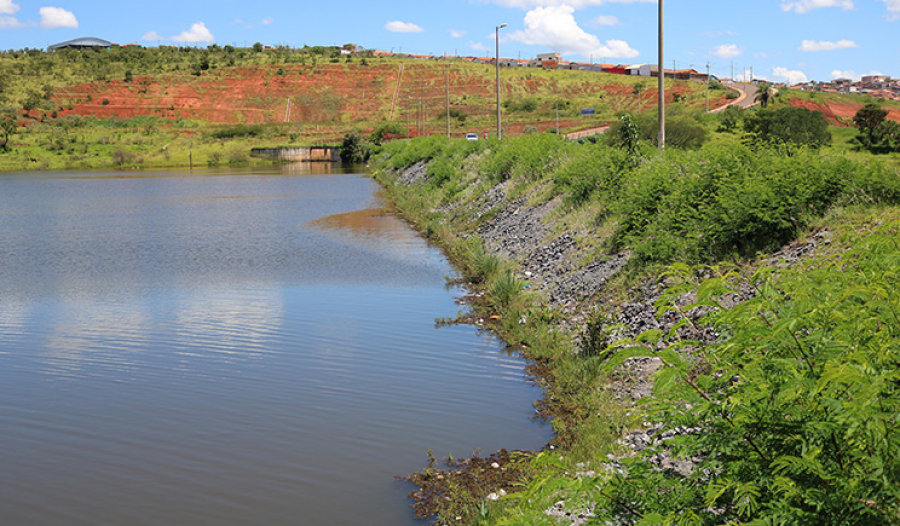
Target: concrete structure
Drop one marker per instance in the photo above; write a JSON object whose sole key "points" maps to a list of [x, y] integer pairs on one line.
{"points": [[81, 43], [327, 154], [546, 60], [642, 70]]}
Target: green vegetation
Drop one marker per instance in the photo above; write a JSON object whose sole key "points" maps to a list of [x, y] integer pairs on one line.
{"points": [[877, 134], [788, 126], [796, 413], [792, 415], [308, 96]]}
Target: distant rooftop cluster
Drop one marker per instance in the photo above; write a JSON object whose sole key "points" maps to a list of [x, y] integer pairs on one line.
{"points": [[881, 86]]}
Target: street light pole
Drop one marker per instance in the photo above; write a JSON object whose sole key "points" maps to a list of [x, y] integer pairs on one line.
{"points": [[662, 84], [448, 98], [497, 63], [422, 129]]}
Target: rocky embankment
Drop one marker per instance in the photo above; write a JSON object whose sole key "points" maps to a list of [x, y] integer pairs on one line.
{"points": [[556, 266]]}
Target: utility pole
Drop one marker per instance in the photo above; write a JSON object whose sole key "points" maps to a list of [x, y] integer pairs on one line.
{"points": [[732, 71], [662, 84], [497, 63], [448, 98], [751, 73], [707, 86]]}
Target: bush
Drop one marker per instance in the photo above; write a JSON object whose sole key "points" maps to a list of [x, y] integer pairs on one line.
{"points": [[529, 156], [788, 125], [520, 105], [683, 129], [795, 411], [387, 131], [594, 171], [355, 148], [458, 114], [731, 200], [241, 130], [730, 119]]}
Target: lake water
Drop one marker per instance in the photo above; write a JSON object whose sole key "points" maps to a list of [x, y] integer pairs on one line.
{"points": [[231, 348]]}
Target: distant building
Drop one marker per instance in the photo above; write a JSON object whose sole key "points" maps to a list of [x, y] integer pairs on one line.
{"points": [[81, 43], [873, 79], [547, 60]]}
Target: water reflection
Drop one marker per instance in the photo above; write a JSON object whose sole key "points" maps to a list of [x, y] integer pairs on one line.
{"points": [[230, 349]]}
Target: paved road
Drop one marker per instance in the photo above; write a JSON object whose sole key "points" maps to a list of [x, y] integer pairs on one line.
{"points": [[748, 95], [747, 99]]}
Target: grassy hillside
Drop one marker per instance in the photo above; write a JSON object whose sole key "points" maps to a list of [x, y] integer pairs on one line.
{"points": [[165, 103]]}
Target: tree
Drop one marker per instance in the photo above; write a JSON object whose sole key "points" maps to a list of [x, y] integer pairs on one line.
{"points": [[355, 148], [639, 90], [788, 125], [8, 126], [258, 47], [869, 117], [764, 93]]}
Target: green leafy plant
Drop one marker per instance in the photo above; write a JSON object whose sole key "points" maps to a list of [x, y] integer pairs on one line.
{"points": [[795, 416]]}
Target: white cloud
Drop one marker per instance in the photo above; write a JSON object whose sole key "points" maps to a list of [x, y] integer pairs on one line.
{"points": [[555, 28], [402, 27], [804, 6], [727, 51], [8, 22], [8, 7], [605, 20], [54, 17], [478, 46], [822, 45], [152, 36], [197, 33], [791, 76], [456, 33], [267, 21], [577, 4], [847, 74], [893, 7]]}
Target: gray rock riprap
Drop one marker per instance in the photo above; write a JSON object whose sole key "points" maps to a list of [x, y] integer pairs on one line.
{"points": [[553, 265]]}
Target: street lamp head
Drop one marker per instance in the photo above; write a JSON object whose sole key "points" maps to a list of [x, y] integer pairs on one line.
{"points": [[501, 26]]}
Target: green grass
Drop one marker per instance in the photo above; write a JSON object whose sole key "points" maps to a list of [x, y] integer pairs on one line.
{"points": [[724, 202]]}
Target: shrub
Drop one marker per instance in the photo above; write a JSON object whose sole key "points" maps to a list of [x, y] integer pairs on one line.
{"points": [[788, 125], [240, 130], [387, 131], [529, 156], [520, 105], [355, 148], [795, 411], [731, 200], [683, 129], [730, 119], [593, 171], [458, 114]]}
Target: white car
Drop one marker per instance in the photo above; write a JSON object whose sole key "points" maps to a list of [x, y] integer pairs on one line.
{"points": [[471, 136]]}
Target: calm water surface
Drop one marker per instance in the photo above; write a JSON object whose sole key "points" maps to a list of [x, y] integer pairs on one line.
{"points": [[231, 348]]}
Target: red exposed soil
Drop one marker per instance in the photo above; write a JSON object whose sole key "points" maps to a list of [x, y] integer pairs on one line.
{"points": [[838, 114], [331, 93]]}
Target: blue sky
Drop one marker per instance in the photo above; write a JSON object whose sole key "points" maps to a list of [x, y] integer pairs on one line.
{"points": [[782, 40]]}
